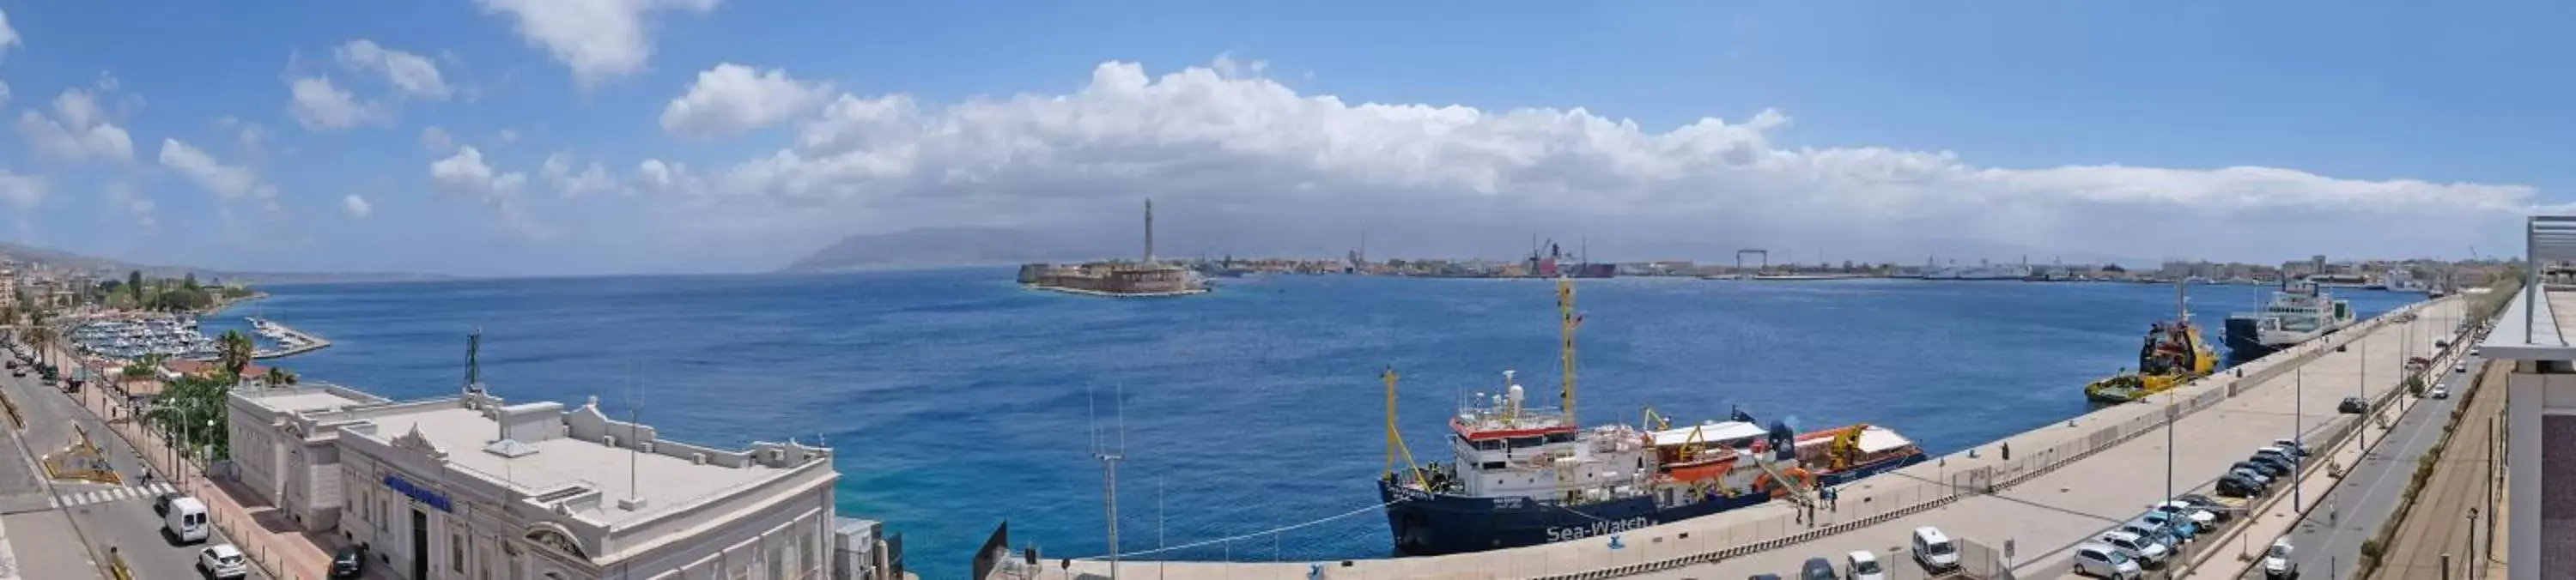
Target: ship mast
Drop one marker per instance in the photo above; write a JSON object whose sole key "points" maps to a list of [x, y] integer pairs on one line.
{"points": [[1565, 310], [1395, 440]]}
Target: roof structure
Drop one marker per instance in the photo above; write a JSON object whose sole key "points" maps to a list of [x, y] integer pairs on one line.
{"points": [[2531, 326]]}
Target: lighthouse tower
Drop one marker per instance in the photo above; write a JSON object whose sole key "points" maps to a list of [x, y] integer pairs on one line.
{"points": [[1149, 230]]}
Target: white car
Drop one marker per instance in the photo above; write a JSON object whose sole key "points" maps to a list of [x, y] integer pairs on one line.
{"points": [[223, 561], [2199, 517], [1863, 565], [2103, 561], [2277, 562], [2439, 392], [2145, 551]]}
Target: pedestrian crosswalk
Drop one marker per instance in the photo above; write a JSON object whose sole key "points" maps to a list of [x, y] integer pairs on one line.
{"points": [[82, 498]]}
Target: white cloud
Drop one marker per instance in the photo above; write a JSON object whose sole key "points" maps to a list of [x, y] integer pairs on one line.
{"points": [[4, 93], [357, 207], [21, 192], [465, 174], [138, 211], [557, 172], [1255, 154], [321, 106], [731, 99], [79, 131], [252, 137], [413, 74], [436, 140], [8, 36], [227, 182], [600, 40], [506, 136]]}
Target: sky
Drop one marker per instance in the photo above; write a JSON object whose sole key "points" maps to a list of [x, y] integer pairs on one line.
{"points": [[536, 137]]}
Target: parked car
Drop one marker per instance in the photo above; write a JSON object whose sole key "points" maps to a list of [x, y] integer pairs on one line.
{"points": [[2260, 480], [223, 561], [2232, 486], [1862, 565], [2291, 445], [2182, 527], [2285, 465], [351, 562], [2153, 533], [2462, 368], [161, 503], [1933, 550], [2208, 505], [2352, 406], [2269, 470], [2100, 560], [1816, 569], [2277, 563], [2147, 552]]}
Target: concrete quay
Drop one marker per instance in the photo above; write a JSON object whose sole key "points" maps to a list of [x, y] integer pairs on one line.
{"points": [[2064, 483], [305, 342]]}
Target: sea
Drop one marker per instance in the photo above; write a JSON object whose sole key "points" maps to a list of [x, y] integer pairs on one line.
{"points": [[957, 401]]}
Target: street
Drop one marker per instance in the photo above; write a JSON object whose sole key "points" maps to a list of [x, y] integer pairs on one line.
{"points": [[2329, 539], [105, 518]]}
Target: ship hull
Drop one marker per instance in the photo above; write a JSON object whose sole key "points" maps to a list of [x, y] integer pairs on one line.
{"points": [[2245, 340], [1428, 524]]}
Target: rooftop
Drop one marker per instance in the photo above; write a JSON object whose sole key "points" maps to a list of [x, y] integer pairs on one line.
{"points": [[2530, 327], [556, 456], [307, 398]]}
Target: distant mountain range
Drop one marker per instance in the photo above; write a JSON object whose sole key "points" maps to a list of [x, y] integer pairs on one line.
{"points": [[71, 261]]}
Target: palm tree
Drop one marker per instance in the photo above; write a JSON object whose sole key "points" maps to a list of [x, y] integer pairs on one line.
{"points": [[278, 377], [234, 351]]}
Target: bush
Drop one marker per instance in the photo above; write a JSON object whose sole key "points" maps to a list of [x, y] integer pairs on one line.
{"points": [[2370, 548]]}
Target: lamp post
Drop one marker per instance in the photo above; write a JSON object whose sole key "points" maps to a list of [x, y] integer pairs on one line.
{"points": [[2298, 411]]}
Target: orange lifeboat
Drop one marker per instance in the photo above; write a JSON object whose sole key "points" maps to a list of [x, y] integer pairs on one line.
{"points": [[1806, 479]]}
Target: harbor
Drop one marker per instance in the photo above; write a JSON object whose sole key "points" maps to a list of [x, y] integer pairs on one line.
{"points": [[2041, 490], [289, 341]]}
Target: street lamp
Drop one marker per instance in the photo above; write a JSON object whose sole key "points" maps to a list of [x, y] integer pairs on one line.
{"points": [[2298, 411]]}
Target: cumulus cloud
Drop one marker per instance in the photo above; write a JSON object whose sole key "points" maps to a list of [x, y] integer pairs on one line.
{"points": [[466, 175], [412, 74], [252, 137], [436, 140], [1269, 169], [731, 99], [21, 192], [599, 40], [322, 106], [227, 182], [558, 174], [8, 36], [356, 207], [78, 131], [4, 93]]}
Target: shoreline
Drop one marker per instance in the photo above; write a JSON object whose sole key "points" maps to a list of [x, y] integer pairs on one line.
{"points": [[1082, 292]]}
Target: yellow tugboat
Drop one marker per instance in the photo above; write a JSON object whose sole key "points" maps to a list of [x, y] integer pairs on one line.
{"points": [[2174, 354]]}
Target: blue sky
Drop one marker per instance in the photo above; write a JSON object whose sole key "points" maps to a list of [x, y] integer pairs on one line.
{"points": [[1972, 129]]}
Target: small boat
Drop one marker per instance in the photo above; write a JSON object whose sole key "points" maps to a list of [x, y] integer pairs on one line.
{"points": [[2174, 355]]}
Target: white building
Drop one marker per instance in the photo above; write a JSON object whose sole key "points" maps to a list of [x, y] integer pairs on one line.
{"points": [[472, 487], [2540, 414]]}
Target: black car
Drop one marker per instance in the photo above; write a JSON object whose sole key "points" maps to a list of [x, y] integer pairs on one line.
{"points": [[349, 561], [2232, 485], [2284, 465], [2263, 467], [1765, 577], [2352, 406], [161, 503], [1816, 569]]}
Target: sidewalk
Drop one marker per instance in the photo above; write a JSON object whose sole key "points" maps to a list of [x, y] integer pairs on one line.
{"points": [[278, 545]]}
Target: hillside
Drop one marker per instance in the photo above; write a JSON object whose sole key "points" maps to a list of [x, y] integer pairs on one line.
{"points": [[68, 260]]}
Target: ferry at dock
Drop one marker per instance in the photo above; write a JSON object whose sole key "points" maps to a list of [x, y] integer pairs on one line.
{"points": [[1524, 475], [2299, 312]]}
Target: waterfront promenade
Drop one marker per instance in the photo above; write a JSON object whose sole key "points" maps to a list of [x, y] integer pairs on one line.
{"points": [[2064, 482]]}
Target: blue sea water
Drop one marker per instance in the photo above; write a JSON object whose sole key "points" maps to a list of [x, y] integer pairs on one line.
{"points": [[958, 400]]}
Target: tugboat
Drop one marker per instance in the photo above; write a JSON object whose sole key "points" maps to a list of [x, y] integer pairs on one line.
{"points": [[1526, 475], [2299, 312], [2173, 355]]}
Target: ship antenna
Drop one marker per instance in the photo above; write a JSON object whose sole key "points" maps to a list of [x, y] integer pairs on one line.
{"points": [[1565, 310]]}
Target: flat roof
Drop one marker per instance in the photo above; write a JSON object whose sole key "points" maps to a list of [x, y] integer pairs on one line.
{"points": [[2530, 327], [669, 482], [302, 399]]}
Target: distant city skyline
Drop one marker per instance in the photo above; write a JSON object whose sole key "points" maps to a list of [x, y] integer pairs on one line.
{"points": [[520, 137]]}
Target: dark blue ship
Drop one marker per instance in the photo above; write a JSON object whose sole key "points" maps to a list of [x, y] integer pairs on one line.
{"points": [[1526, 475]]}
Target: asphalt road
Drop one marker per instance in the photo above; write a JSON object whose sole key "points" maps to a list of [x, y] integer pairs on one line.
{"points": [[105, 517], [2328, 539], [2439, 522]]}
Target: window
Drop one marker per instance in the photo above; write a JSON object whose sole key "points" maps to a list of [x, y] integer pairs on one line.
{"points": [[777, 565], [805, 556], [456, 553]]}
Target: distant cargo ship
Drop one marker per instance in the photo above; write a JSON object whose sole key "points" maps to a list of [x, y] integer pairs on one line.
{"points": [[1526, 475]]}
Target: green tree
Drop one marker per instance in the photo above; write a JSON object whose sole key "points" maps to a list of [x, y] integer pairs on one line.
{"points": [[134, 285], [278, 377], [233, 349], [191, 411], [189, 282]]}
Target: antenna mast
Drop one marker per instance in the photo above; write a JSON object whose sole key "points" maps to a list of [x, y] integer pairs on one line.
{"points": [[1109, 470], [1565, 310]]}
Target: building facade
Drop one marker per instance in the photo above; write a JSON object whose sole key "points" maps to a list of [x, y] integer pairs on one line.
{"points": [[472, 487]]}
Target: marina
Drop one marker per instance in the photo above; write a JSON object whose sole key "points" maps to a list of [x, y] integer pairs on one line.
{"points": [[138, 336], [289, 341]]}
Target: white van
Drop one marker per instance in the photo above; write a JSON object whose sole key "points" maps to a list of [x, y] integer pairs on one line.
{"points": [[1933, 550], [186, 520]]}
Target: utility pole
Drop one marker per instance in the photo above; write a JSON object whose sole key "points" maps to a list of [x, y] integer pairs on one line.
{"points": [[2298, 412]]}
